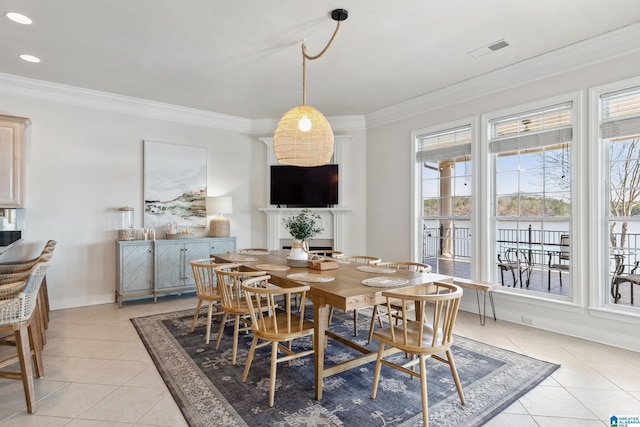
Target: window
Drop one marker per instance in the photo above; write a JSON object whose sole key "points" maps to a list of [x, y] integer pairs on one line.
{"points": [[531, 163], [444, 163], [620, 140]]}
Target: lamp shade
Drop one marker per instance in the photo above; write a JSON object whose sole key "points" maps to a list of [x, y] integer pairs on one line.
{"points": [[219, 205], [303, 137]]}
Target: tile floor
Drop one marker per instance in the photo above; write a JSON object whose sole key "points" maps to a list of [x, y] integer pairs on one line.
{"points": [[98, 373]]}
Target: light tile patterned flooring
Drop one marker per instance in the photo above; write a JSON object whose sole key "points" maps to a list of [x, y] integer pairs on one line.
{"points": [[98, 373]]}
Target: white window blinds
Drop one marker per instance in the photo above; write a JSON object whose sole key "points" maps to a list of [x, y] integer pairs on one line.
{"points": [[620, 113], [448, 144], [532, 129]]}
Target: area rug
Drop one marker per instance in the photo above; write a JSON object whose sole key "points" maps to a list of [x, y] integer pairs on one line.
{"points": [[209, 391]]}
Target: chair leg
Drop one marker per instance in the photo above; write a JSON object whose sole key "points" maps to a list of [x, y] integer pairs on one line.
{"points": [[423, 390], [374, 314], [454, 374], [222, 325], [209, 318], [236, 334], [355, 323], [272, 373], [247, 365], [195, 315], [376, 372], [24, 354], [34, 328]]}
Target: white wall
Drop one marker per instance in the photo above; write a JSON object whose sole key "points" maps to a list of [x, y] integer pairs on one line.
{"points": [[85, 160], [83, 164], [389, 148]]}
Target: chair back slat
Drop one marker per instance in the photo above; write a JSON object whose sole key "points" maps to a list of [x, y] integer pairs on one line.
{"points": [[406, 265], [433, 332], [272, 308], [204, 274], [229, 279]]}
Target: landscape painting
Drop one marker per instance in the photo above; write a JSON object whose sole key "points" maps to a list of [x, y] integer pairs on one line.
{"points": [[175, 185]]}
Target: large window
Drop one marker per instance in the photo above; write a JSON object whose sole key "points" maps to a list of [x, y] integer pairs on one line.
{"points": [[531, 162], [620, 139], [444, 161]]}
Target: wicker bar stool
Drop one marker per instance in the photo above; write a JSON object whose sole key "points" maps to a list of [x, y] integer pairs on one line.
{"points": [[18, 315]]}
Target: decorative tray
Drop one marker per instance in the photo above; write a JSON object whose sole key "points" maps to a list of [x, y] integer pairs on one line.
{"points": [[384, 282], [374, 269], [323, 264], [272, 267], [310, 277]]}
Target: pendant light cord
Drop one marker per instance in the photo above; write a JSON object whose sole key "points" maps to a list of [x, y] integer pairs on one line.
{"points": [[311, 58]]}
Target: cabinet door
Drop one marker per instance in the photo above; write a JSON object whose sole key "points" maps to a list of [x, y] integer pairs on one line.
{"points": [[169, 265], [193, 250], [135, 263], [12, 161], [221, 245]]}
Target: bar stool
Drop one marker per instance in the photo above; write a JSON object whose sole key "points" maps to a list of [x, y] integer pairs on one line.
{"points": [[18, 315]]}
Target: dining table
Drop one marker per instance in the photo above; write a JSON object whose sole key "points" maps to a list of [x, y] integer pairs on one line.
{"points": [[348, 287]]}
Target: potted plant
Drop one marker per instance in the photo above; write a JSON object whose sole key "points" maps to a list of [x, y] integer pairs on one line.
{"points": [[302, 227]]}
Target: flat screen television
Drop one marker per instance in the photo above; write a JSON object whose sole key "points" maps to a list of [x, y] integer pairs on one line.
{"points": [[304, 187]]}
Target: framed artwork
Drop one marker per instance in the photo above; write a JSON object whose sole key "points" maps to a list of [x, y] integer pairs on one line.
{"points": [[175, 185]]}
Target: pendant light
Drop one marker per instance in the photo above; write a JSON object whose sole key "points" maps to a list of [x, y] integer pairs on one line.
{"points": [[303, 136]]}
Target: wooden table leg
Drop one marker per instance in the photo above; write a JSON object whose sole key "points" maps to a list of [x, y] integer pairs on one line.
{"points": [[321, 321]]}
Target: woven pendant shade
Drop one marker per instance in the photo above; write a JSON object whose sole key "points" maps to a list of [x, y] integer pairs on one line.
{"points": [[295, 146]]}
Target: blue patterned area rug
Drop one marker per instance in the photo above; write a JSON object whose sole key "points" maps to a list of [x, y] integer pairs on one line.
{"points": [[208, 390]]}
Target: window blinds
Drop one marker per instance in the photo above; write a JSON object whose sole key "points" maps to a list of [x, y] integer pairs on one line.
{"points": [[444, 145], [533, 129], [620, 113]]}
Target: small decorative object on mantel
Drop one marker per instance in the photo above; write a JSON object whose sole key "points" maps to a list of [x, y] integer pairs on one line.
{"points": [[302, 227]]}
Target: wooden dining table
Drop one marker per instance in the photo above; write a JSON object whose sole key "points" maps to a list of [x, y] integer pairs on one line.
{"points": [[341, 288]]}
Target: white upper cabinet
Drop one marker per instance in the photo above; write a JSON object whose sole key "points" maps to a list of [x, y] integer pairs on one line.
{"points": [[13, 134]]}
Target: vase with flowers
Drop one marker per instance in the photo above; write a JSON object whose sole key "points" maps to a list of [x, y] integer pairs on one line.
{"points": [[302, 227]]}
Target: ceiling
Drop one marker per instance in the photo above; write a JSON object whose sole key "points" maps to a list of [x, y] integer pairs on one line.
{"points": [[243, 57]]}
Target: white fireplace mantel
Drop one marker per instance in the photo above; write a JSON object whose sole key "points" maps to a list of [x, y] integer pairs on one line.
{"points": [[332, 222], [332, 218]]}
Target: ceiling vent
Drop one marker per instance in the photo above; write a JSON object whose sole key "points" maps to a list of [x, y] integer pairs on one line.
{"points": [[489, 48]]}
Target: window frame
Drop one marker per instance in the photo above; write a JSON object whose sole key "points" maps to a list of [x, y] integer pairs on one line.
{"points": [[575, 170], [598, 260], [416, 186]]}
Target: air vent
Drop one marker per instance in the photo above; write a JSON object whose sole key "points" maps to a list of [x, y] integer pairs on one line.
{"points": [[489, 48]]}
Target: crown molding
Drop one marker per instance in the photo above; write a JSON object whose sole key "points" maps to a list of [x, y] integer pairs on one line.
{"points": [[71, 95], [597, 49]]}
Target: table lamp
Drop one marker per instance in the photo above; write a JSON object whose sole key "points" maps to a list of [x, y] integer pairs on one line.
{"points": [[219, 226]]}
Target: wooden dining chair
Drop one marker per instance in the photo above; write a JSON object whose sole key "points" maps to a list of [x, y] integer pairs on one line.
{"points": [[275, 323], [229, 278], [428, 337], [19, 316], [204, 274], [365, 259], [379, 311]]}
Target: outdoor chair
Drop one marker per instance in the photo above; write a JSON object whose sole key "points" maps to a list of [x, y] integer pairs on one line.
{"points": [[513, 260], [428, 337], [275, 324], [619, 277], [563, 259]]}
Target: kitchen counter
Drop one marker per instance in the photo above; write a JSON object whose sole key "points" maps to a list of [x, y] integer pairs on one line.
{"points": [[4, 249]]}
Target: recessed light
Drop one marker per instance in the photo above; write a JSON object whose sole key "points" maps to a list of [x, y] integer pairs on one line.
{"points": [[19, 18], [30, 58]]}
